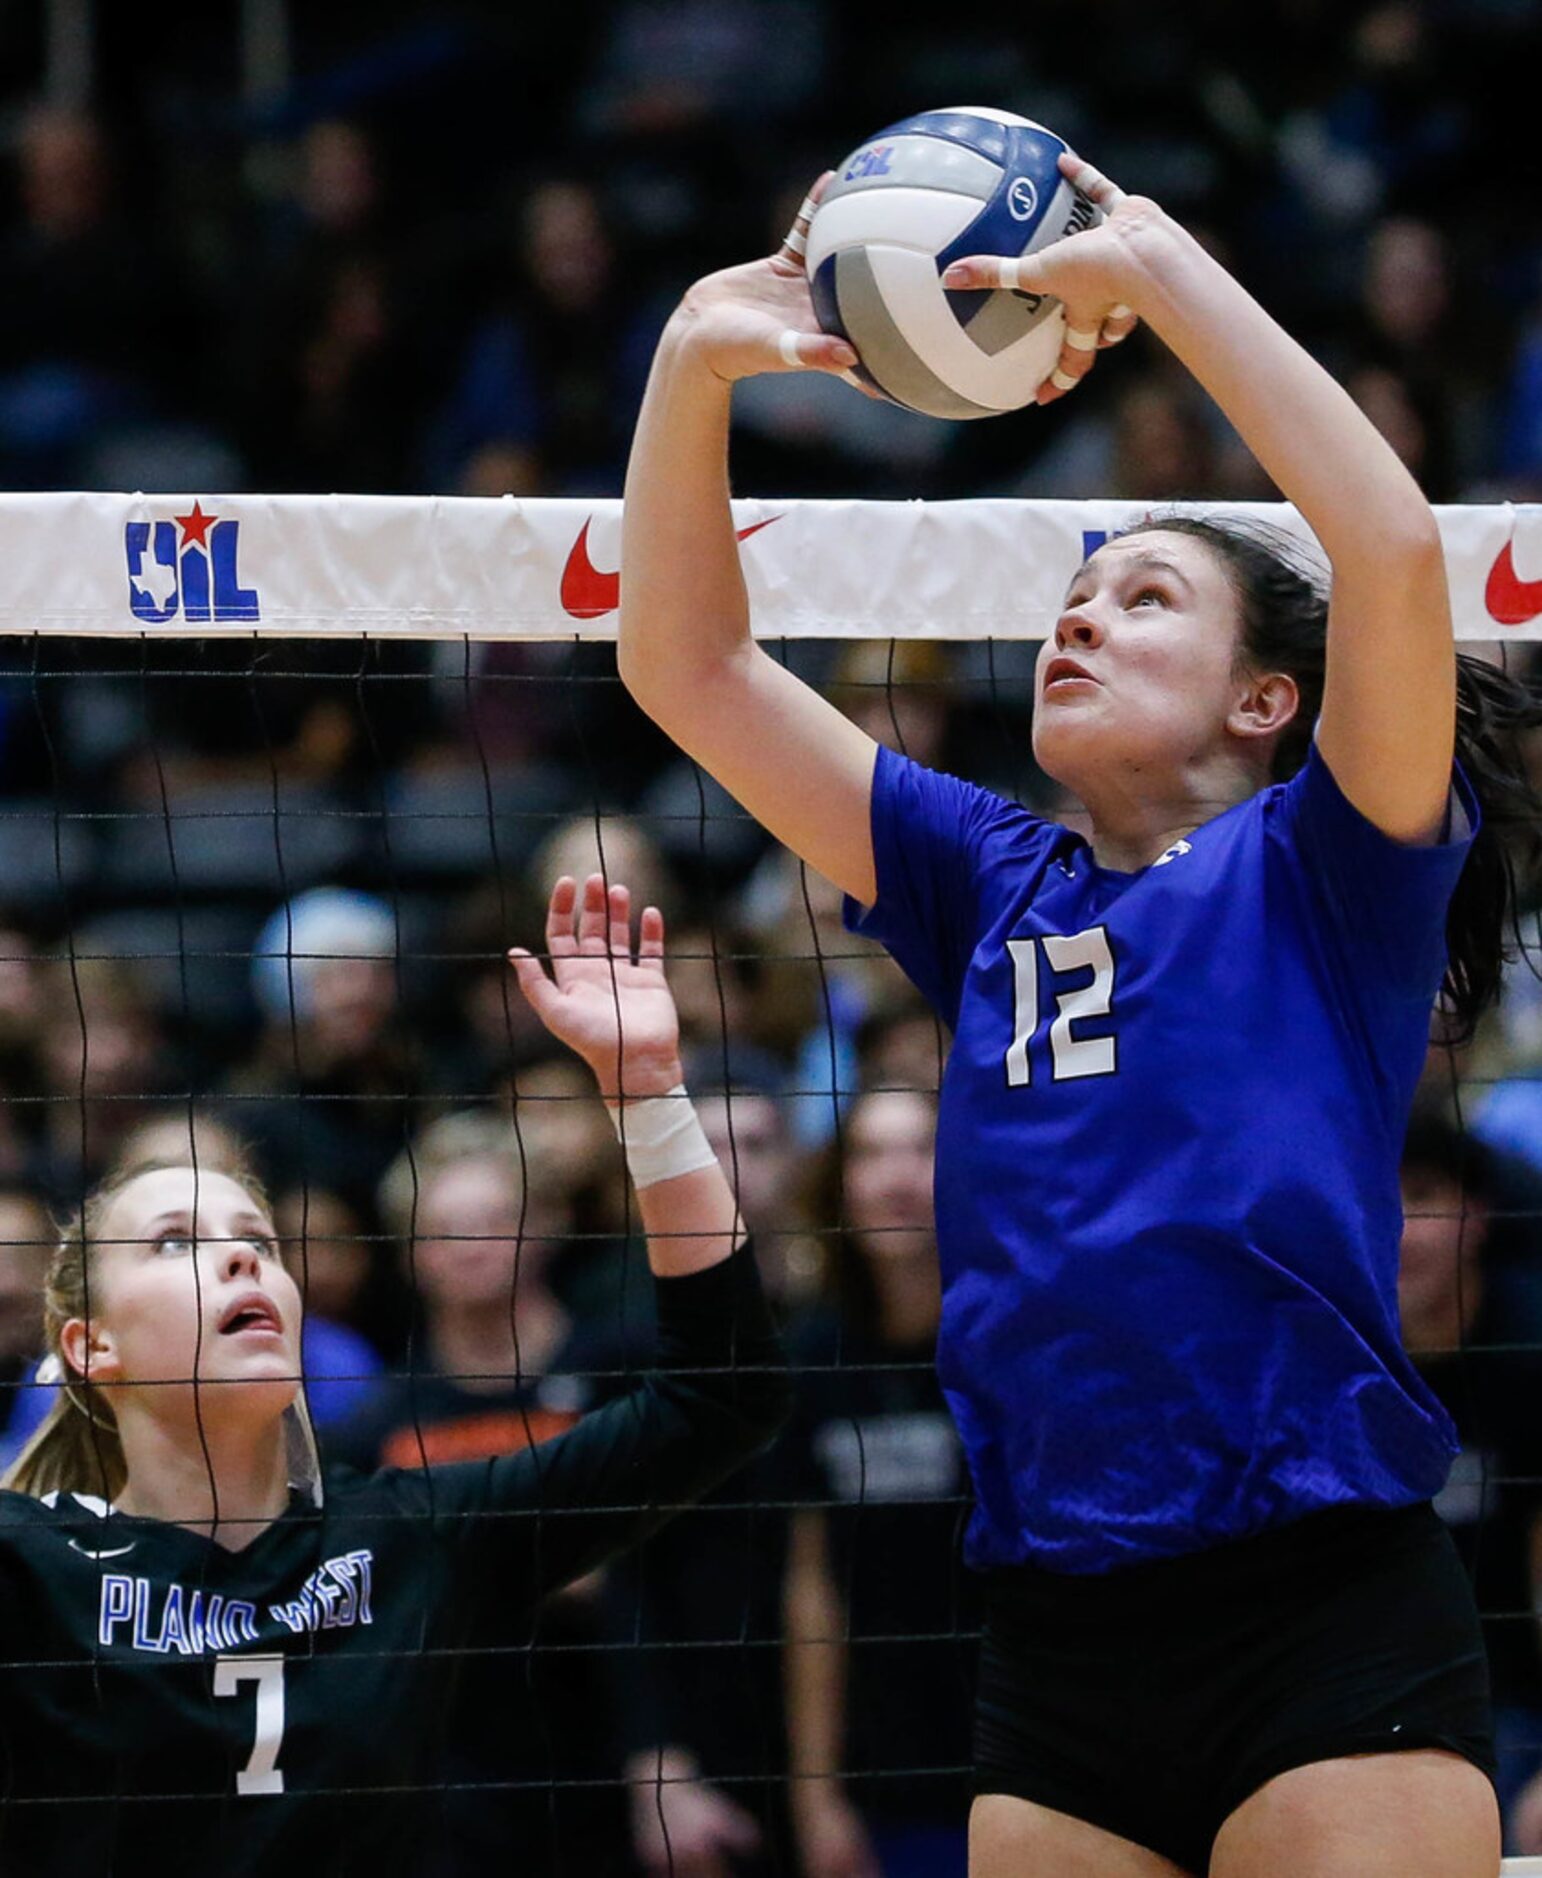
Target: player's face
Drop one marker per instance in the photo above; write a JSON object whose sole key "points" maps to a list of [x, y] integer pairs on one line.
{"points": [[889, 1142], [1141, 670], [188, 1281]]}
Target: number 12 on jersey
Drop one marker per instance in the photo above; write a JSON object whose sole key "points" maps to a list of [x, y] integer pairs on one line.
{"points": [[1070, 1056]]}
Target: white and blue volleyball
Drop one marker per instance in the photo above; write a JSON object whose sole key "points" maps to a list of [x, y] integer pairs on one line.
{"points": [[920, 195]]}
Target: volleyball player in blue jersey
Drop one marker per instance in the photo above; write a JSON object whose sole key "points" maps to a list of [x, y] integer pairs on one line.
{"points": [[1225, 1630]]}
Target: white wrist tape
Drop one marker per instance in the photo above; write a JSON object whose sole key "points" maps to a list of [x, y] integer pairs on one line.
{"points": [[662, 1136]]}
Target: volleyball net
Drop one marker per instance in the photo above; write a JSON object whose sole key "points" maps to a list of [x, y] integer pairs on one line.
{"points": [[283, 778]]}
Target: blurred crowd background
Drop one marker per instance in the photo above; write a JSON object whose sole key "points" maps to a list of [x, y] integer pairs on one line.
{"points": [[254, 897]]}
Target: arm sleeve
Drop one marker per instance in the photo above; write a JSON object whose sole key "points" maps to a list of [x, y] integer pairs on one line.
{"points": [[1384, 900], [526, 1523], [931, 834]]}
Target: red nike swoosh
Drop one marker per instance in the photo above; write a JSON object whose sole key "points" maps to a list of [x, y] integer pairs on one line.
{"points": [[587, 591], [1509, 599]]}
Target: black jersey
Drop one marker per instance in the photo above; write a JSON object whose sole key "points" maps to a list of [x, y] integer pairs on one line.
{"points": [[171, 1706]]}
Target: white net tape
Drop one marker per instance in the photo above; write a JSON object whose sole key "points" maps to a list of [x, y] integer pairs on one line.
{"points": [[430, 567]]}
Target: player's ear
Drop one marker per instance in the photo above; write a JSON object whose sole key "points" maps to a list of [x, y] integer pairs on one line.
{"points": [[1266, 705], [88, 1351]]}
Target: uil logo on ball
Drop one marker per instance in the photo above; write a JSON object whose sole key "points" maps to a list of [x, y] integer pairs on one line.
{"points": [[1022, 199]]}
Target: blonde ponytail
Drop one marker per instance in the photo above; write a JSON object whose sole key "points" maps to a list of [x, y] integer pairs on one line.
{"points": [[70, 1452]]}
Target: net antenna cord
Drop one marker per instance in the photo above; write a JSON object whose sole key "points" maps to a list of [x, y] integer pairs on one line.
{"points": [[426, 567]]}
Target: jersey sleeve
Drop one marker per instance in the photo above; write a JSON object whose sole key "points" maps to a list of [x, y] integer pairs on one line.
{"points": [[931, 837], [526, 1523], [1384, 900]]}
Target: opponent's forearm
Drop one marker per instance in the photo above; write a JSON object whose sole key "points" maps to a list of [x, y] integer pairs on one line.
{"points": [[683, 601], [1323, 452], [691, 1222]]}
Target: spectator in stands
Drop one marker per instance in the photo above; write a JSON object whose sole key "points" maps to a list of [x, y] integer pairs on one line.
{"points": [[328, 347], [92, 319], [879, 1654], [615, 845], [554, 361], [1473, 1354], [747, 1124], [336, 1264], [105, 1063], [324, 1098]]}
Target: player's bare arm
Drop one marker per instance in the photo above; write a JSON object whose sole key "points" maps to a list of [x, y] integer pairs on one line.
{"points": [[1389, 704], [686, 654]]}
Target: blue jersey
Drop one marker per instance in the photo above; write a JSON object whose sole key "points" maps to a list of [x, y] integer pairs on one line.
{"points": [[1167, 1160]]}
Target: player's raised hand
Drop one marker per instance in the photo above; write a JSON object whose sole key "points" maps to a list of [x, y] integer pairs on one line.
{"points": [[759, 317], [1096, 275], [615, 1011]]}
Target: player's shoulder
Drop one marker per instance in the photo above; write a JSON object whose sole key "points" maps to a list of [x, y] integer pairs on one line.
{"points": [[49, 1511], [35, 1525]]}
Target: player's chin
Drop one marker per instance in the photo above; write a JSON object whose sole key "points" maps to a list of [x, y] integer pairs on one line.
{"points": [[256, 1397], [267, 1362], [1069, 732]]}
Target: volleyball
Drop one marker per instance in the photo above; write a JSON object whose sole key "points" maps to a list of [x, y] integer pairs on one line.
{"points": [[928, 191]]}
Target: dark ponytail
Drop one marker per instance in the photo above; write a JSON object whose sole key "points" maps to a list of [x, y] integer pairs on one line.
{"points": [[1284, 600]]}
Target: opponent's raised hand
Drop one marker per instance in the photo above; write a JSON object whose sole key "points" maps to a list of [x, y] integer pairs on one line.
{"points": [[615, 1011], [759, 317], [1096, 275]]}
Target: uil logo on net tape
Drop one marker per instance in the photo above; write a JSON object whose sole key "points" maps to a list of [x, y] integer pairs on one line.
{"points": [[187, 568]]}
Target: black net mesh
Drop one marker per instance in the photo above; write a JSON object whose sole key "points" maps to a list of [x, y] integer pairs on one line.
{"points": [[255, 899]]}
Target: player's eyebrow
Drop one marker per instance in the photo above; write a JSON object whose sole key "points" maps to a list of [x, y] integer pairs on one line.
{"points": [[1143, 557], [183, 1220]]}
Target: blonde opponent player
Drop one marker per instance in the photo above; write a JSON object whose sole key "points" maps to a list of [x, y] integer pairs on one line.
{"points": [[214, 1665], [1225, 1630]]}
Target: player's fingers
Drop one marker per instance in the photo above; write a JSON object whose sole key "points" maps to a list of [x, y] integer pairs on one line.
{"points": [[650, 938], [1091, 181], [1078, 354], [814, 352], [559, 916], [1014, 272], [592, 915], [795, 241], [1118, 323], [621, 922]]}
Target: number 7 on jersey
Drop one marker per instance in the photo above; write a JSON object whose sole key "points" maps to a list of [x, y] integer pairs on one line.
{"points": [[1070, 1056], [262, 1773]]}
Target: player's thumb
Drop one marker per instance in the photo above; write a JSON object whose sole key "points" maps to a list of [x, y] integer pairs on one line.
{"points": [[537, 987], [1018, 273], [814, 352]]}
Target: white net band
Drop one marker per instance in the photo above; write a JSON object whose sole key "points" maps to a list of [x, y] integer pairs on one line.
{"points": [[432, 567]]}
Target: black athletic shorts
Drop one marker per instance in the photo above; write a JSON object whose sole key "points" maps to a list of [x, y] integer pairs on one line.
{"points": [[1152, 1701]]}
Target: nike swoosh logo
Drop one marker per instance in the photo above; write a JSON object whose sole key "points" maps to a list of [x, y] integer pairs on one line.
{"points": [[1509, 599], [117, 1552], [587, 591]]}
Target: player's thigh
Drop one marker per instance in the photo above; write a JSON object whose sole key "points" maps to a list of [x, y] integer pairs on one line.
{"points": [[1422, 1814], [1012, 1838]]}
